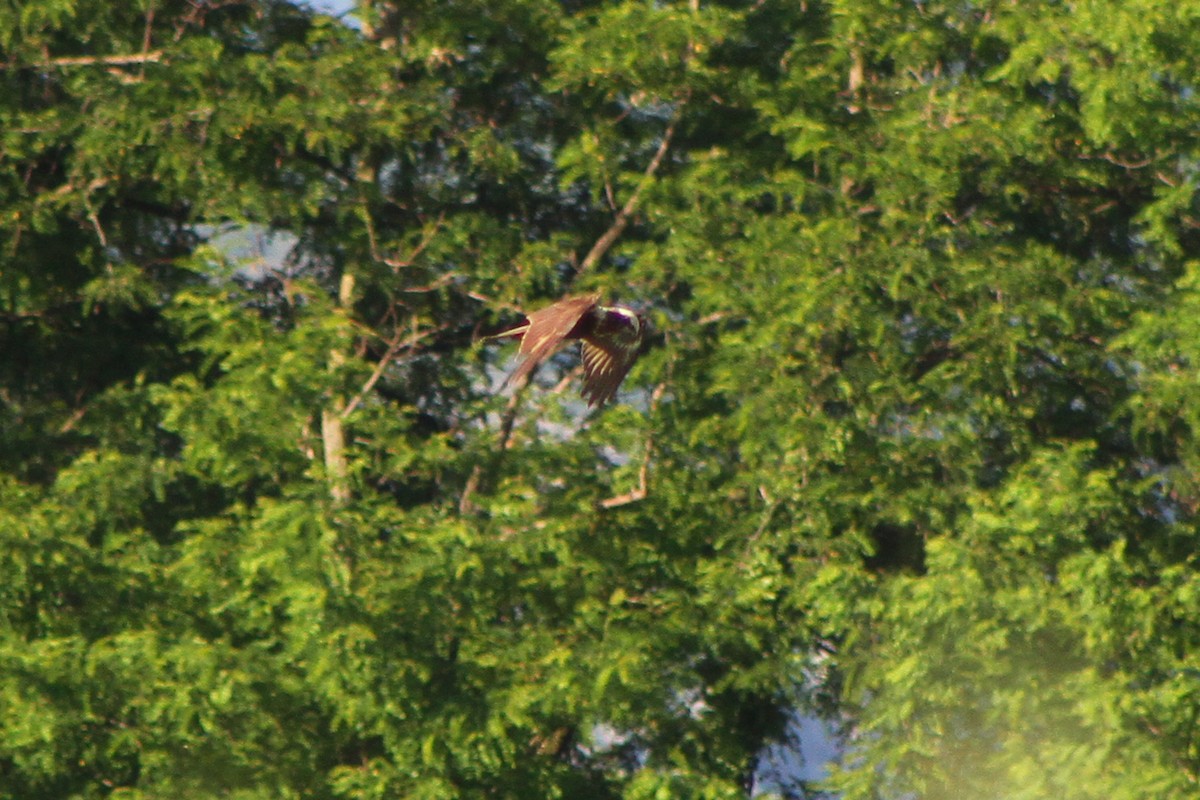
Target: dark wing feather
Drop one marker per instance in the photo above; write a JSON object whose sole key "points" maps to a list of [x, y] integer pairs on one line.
{"points": [[605, 365], [546, 330]]}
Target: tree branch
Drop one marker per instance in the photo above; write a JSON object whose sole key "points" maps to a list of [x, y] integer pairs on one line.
{"points": [[380, 368], [622, 220], [644, 472], [154, 56], [465, 504], [333, 435], [427, 235]]}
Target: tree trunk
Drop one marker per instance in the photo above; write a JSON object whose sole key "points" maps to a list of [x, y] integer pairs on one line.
{"points": [[333, 435]]}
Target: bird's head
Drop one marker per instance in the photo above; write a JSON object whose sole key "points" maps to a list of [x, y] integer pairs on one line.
{"points": [[622, 325]]}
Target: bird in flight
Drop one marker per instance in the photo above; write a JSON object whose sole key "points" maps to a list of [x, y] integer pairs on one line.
{"points": [[612, 338]]}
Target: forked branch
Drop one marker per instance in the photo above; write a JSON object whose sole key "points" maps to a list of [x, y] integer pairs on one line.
{"points": [[639, 493]]}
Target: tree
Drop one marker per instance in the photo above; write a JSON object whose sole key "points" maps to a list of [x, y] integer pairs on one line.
{"points": [[912, 450]]}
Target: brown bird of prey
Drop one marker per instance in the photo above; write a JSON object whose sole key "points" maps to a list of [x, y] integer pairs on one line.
{"points": [[611, 335]]}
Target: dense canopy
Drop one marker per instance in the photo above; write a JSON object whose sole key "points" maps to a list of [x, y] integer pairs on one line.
{"points": [[914, 449]]}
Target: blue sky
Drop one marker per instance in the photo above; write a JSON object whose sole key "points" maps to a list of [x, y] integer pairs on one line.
{"points": [[334, 7]]}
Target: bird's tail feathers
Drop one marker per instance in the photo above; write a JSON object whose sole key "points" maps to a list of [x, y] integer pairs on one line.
{"points": [[520, 376], [517, 331]]}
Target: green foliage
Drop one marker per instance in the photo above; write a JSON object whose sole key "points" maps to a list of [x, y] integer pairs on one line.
{"points": [[914, 448]]}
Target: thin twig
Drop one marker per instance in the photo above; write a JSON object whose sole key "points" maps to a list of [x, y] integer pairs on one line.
{"points": [[426, 238], [1120, 162], [95, 220], [445, 279]]}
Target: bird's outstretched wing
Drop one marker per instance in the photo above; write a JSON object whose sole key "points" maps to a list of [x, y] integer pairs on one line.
{"points": [[605, 365], [546, 330]]}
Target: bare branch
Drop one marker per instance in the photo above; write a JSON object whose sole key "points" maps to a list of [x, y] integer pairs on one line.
{"points": [[395, 345], [427, 235], [73, 420], [380, 368], [154, 56], [622, 220], [465, 505], [640, 492]]}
